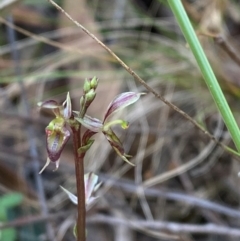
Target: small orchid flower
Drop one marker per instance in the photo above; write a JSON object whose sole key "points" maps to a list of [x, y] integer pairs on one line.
{"points": [[91, 186], [57, 133], [94, 125]]}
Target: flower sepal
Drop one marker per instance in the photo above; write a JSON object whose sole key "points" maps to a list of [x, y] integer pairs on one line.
{"points": [[83, 149], [93, 124], [91, 186], [116, 144], [120, 102]]}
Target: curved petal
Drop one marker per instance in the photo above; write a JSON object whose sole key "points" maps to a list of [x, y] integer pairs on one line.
{"points": [[121, 101], [71, 196], [46, 164], [87, 135], [116, 145], [49, 104], [67, 111], [122, 123], [93, 124], [90, 181]]}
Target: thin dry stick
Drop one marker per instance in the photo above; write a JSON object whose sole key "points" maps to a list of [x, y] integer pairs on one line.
{"points": [[20, 222], [189, 165], [40, 38], [220, 40], [228, 49], [172, 227], [131, 188], [140, 80], [49, 41]]}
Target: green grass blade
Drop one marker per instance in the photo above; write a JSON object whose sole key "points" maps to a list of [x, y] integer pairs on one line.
{"points": [[207, 72]]}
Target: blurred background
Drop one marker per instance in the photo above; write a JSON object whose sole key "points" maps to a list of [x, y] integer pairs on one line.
{"points": [[182, 182]]}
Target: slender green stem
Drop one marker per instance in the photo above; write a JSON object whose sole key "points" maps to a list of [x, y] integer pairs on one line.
{"points": [[79, 170], [207, 72]]}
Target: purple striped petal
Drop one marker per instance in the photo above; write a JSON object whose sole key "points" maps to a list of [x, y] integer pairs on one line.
{"points": [[121, 101], [49, 104]]}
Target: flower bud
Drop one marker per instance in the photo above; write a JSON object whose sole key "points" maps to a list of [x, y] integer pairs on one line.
{"points": [[86, 86], [82, 101], [94, 82], [90, 96]]}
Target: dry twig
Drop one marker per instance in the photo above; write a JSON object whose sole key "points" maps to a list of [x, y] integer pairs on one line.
{"points": [[172, 227], [227, 48], [132, 188]]}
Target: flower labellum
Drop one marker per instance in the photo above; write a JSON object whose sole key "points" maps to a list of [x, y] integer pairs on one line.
{"points": [[56, 140], [57, 136], [57, 133]]}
